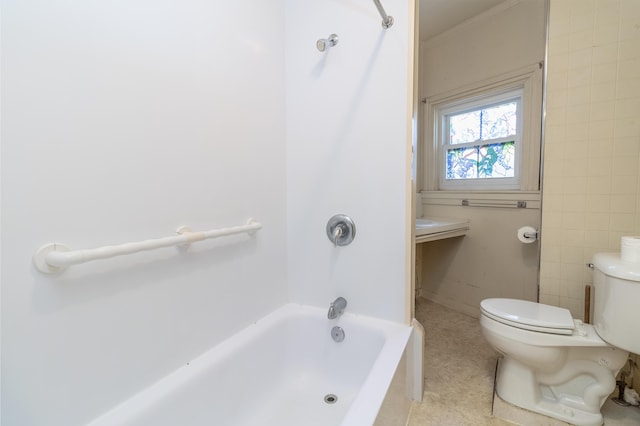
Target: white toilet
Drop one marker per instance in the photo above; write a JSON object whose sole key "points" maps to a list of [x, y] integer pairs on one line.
{"points": [[558, 366]]}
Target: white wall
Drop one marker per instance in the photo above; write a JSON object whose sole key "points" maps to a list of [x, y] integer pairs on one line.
{"points": [[121, 121], [504, 38], [348, 151], [503, 42], [489, 261]]}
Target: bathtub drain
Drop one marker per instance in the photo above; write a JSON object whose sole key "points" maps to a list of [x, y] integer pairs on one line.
{"points": [[330, 398]]}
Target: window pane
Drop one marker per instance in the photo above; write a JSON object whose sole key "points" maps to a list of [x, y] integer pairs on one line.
{"points": [[462, 163], [496, 160], [464, 127], [481, 162], [499, 121]]}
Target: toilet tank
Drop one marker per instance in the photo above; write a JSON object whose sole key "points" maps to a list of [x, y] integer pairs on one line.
{"points": [[616, 302]]}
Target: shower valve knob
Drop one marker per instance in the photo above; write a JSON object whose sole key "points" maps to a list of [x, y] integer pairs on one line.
{"points": [[341, 230]]}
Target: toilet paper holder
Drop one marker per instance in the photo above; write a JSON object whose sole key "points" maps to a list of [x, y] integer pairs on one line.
{"points": [[528, 234]]}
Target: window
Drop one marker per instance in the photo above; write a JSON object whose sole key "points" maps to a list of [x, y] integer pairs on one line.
{"points": [[480, 142], [485, 136]]}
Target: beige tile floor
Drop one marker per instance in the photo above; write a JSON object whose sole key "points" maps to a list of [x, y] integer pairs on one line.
{"points": [[459, 374], [459, 369]]}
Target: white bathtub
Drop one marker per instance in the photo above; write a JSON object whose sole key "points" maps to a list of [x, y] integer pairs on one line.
{"points": [[277, 372]]}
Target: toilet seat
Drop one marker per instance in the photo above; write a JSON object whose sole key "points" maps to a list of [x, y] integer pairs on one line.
{"points": [[529, 315]]}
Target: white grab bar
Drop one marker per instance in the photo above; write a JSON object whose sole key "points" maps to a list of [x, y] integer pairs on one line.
{"points": [[53, 257]]}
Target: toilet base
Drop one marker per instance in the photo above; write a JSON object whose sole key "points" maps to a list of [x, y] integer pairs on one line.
{"points": [[516, 385], [519, 416]]}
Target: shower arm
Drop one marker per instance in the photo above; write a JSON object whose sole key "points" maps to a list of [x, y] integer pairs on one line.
{"points": [[387, 20]]}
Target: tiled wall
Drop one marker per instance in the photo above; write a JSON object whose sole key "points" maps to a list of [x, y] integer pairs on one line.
{"points": [[591, 185]]}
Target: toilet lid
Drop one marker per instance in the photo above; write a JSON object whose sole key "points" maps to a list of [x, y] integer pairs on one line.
{"points": [[529, 315]]}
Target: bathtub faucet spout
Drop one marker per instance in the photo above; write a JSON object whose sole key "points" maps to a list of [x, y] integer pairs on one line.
{"points": [[337, 308]]}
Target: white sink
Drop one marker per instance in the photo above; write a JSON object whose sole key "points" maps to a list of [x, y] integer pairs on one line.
{"points": [[437, 228]]}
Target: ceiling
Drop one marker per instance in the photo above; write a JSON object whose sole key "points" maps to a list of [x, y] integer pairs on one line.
{"points": [[437, 16]]}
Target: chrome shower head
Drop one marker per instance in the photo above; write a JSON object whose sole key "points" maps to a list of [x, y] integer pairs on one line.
{"points": [[325, 43]]}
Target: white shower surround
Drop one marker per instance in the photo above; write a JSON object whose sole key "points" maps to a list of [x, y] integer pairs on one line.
{"points": [[121, 120], [349, 152]]}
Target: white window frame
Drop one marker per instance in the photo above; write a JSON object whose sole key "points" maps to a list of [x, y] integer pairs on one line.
{"points": [[527, 79], [486, 100]]}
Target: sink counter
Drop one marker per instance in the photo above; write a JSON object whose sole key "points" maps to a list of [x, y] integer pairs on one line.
{"points": [[438, 228]]}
